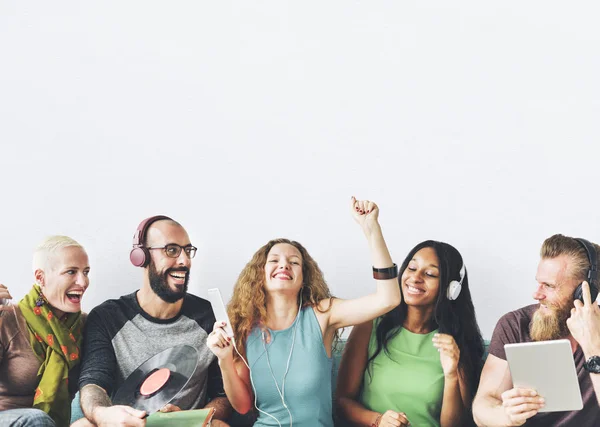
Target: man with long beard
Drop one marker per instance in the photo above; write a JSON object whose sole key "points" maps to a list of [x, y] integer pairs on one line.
{"points": [[122, 334], [565, 264]]}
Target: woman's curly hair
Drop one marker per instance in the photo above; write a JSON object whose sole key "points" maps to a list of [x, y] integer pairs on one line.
{"points": [[248, 305]]}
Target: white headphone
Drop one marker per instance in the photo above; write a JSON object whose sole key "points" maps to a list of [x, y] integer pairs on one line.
{"points": [[455, 286]]}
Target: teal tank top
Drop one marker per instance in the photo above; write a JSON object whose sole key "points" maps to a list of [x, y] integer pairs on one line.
{"points": [[409, 380], [308, 381]]}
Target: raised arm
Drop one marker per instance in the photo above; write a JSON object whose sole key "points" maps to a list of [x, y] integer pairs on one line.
{"points": [[387, 295], [584, 325], [349, 380], [236, 376]]}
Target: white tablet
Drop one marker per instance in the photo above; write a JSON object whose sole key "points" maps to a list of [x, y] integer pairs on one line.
{"points": [[549, 368], [214, 296]]}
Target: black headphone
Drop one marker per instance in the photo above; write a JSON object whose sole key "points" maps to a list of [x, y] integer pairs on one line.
{"points": [[592, 274], [140, 255]]}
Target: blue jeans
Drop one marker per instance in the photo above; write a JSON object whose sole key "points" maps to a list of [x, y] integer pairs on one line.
{"points": [[25, 417]]}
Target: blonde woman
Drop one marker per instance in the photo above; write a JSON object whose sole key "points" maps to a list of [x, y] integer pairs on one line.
{"points": [[40, 338]]}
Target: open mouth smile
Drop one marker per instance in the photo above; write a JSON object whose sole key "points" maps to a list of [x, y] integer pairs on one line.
{"points": [[75, 296], [413, 290]]}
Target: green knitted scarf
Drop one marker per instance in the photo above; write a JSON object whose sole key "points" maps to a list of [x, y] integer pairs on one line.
{"points": [[56, 344]]}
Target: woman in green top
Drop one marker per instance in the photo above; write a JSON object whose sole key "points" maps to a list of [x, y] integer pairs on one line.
{"points": [[419, 363]]}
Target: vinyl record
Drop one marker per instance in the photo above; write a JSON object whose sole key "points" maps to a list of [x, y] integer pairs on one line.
{"points": [[158, 380]]}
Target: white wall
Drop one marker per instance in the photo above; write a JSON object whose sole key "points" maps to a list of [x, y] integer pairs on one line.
{"points": [[471, 122]]}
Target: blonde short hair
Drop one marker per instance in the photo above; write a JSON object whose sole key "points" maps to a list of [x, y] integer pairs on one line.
{"points": [[48, 247]]}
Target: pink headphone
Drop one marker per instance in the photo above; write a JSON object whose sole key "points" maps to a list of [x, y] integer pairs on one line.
{"points": [[139, 255]]}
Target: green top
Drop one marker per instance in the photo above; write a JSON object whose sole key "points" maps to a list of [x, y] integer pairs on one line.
{"points": [[410, 379]]}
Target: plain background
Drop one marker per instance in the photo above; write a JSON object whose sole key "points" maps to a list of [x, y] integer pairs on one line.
{"points": [[471, 122]]}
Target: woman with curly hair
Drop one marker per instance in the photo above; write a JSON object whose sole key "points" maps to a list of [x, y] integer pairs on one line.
{"points": [[285, 321], [419, 363]]}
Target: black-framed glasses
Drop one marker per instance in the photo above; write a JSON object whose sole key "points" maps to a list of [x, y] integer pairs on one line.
{"points": [[173, 250]]}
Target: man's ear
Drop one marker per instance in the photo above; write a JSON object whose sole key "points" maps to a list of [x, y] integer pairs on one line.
{"points": [[39, 277]]}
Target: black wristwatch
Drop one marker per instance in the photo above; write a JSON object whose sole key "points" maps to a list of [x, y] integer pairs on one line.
{"points": [[592, 365]]}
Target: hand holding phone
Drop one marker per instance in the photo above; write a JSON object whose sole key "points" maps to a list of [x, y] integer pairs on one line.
{"points": [[214, 296]]}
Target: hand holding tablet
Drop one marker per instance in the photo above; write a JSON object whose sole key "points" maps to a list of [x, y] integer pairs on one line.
{"points": [[520, 404], [544, 378]]}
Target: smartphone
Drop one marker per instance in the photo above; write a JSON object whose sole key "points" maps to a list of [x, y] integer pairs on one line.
{"points": [[214, 296]]}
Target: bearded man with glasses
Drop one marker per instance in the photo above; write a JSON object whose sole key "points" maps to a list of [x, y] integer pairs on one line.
{"points": [[122, 334]]}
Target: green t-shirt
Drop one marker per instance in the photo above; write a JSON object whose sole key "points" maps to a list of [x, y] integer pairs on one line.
{"points": [[409, 380]]}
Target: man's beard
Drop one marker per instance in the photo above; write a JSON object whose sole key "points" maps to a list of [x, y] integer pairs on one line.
{"points": [[552, 325], [160, 286]]}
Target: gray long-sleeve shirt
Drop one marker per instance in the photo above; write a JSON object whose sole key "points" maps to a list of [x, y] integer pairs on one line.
{"points": [[119, 336]]}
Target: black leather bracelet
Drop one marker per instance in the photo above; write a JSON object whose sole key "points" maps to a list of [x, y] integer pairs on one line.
{"points": [[385, 273]]}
